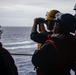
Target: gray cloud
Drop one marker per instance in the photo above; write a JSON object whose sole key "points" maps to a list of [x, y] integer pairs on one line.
{"points": [[22, 12]]}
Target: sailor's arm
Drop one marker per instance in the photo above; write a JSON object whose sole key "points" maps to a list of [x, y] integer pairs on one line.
{"points": [[34, 28]]}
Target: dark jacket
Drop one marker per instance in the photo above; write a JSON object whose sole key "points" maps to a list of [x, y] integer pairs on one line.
{"points": [[39, 37], [7, 64], [58, 59]]}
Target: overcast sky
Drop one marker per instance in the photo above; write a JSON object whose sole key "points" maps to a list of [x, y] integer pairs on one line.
{"points": [[23, 12]]}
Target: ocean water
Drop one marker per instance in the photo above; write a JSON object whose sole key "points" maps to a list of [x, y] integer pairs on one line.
{"points": [[17, 41]]}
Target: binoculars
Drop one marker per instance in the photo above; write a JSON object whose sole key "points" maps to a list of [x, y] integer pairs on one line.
{"points": [[41, 20]]}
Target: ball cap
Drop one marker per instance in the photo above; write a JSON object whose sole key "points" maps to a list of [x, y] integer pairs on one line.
{"points": [[67, 22]]}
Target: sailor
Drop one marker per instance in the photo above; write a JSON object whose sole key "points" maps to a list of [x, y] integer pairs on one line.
{"points": [[7, 63], [41, 37], [58, 55]]}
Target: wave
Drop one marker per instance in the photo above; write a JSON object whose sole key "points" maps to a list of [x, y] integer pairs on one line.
{"points": [[22, 42], [20, 45]]}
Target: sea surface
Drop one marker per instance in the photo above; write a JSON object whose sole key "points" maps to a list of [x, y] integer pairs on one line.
{"points": [[17, 41]]}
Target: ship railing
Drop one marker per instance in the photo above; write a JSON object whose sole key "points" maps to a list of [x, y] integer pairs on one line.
{"points": [[21, 54]]}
